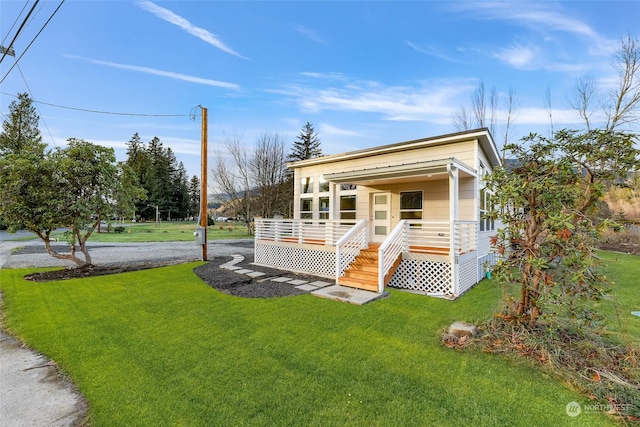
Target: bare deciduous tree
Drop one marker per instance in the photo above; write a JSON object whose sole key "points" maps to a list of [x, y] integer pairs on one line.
{"points": [[483, 111], [251, 181], [549, 108], [583, 97], [268, 171], [624, 102], [232, 177], [620, 105], [510, 116]]}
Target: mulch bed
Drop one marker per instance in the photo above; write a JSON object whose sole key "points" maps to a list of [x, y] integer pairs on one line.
{"points": [[221, 279], [241, 285]]}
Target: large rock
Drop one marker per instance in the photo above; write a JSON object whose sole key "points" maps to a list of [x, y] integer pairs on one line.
{"points": [[463, 329]]}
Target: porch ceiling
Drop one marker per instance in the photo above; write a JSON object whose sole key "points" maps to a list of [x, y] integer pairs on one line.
{"points": [[408, 172]]}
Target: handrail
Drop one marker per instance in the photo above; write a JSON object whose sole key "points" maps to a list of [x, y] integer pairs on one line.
{"points": [[349, 246], [390, 250]]}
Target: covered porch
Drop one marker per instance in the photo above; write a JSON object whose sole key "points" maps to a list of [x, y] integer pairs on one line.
{"points": [[437, 258]]}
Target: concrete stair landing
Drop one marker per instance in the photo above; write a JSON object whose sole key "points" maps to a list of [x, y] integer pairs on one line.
{"points": [[348, 294]]}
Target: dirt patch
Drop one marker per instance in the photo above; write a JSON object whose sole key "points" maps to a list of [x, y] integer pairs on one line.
{"points": [[627, 248], [627, 242]]}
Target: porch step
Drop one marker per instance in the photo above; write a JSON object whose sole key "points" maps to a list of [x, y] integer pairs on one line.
{"points": [[363, 271]]}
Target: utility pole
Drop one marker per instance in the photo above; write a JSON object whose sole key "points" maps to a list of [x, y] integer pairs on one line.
{"points": [[203, 185]]}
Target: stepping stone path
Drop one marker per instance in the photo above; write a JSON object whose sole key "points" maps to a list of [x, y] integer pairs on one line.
{"points": [[303, 285]]}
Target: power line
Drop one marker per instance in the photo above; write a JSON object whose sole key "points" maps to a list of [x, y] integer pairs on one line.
{"points": [[102, 112], [14, 22], [24, 21], [34, 39]]}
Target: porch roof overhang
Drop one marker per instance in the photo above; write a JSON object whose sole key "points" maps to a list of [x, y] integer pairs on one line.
{"points": [[412, 171]]}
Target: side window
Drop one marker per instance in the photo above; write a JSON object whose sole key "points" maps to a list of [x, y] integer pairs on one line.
{"points": [[486, 224]]}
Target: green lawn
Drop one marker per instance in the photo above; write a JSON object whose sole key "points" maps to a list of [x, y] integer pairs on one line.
{"points": [[623, 270], [168, 231], [160, 347]]}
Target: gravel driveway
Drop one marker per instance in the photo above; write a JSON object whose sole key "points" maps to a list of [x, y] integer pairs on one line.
{"points": [[32, 253]]}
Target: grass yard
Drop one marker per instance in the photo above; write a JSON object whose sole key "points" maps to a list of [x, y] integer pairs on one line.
{"points": [[149, 351], [169, 231], [623, 270]]}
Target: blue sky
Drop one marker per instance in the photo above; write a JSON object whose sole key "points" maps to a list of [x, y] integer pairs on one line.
{"points": [[363, 73]]}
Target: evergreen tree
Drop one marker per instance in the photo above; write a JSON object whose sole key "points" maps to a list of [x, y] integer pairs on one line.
{"points": [[158, 179], [20, 130], [194, 196], [180, 202], [307, 145], [138, 161]]}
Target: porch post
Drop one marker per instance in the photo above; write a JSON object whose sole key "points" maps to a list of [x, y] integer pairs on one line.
{"points": [[332, 200], [453, 217]]}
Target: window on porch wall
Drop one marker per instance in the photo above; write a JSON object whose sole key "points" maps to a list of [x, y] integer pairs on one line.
{"points": [[323, 207], [323, 185], [348, 207], [306, 185], [306, 208], [411, 205]]}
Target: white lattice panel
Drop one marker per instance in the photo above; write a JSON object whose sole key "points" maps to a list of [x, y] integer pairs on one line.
{"points": [[424, 276], [467, 275], [299, 259]]}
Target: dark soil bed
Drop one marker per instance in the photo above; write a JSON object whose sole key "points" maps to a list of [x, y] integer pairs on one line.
{"points": [[241, 285], [224, 280], [94, 270]]}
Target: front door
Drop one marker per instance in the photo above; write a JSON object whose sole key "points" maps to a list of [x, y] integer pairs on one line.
{"points": [[380, 216]]}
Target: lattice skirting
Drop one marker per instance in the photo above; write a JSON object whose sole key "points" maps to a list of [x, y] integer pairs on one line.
{"points": [[467, 275], [299, 259], [423, 276]]}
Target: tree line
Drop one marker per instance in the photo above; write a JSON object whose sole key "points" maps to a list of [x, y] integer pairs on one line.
{"points": [[170, 192]]}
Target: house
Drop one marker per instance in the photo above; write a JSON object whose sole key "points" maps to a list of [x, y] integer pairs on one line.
{"points": [[407, 215]]}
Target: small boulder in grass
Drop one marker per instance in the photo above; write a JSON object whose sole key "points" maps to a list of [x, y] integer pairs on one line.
{"points": [[463, 329]]}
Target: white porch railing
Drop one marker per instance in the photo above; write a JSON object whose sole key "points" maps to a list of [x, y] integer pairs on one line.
{"points": [[318, 232], [465, 237], [393, 246], [430, 236], [348, 247]]}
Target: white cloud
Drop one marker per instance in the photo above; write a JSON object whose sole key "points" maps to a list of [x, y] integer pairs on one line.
{"points": [[431, 51], [518, 56], [309, 33], [201, 33], [317, 75], [430, 101], [327, 129], [154, 71]]}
